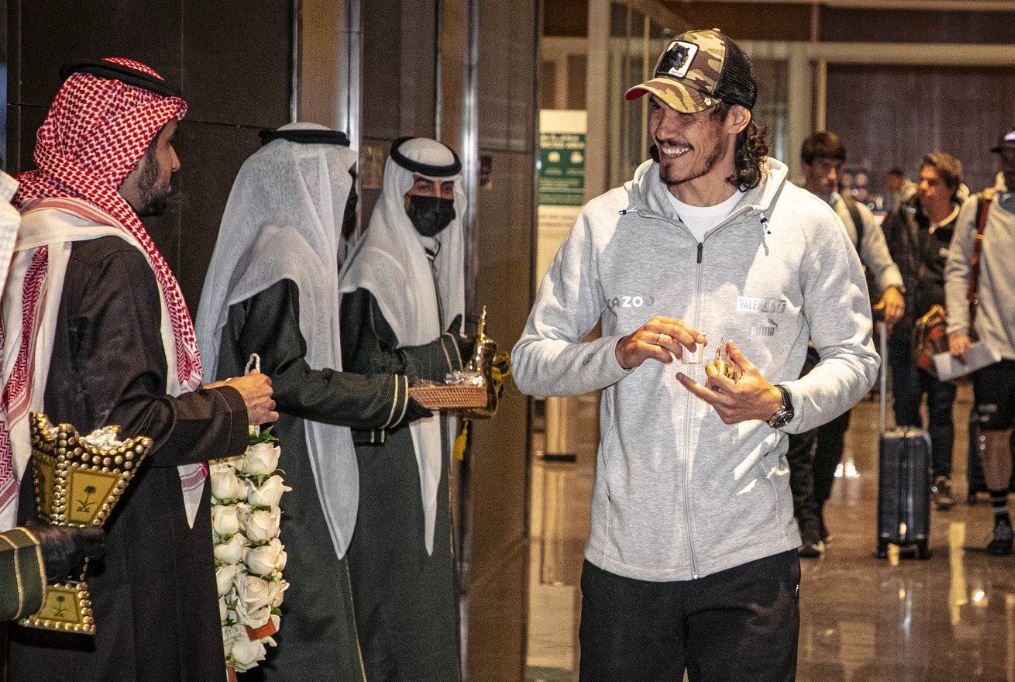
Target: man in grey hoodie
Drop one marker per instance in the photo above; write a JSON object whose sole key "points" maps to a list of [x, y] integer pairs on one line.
{"points": [[980, 268], [691, 564]]}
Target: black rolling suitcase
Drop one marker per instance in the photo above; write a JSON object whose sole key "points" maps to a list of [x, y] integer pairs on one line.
{"points": [[974, 463], [904, 479]]}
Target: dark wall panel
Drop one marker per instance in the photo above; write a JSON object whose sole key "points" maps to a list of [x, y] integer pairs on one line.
{"points": [[51, 33], [504, 245], [892, 115], [233, 67], [500, 448], [399, 68], [747, 20], [495, 75], [891, 26], [792, 21], [522, 106], [203, 197], [507, 72], [566, 18], [22, 124], [237, 65], [399, 88], [496, 624]]}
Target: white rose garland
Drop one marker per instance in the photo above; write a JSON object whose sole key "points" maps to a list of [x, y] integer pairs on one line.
{"points": [[249, 557]]}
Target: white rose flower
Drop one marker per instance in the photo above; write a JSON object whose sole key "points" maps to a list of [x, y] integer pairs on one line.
{"points": [[226, 615], [225, 520], [225, 485], [255, 592], [255, 595], [247, 654], [250, 514], [282, 586], [268, 494], [224, 576], [227, 643], [262, 525], [261, 459], [223, 464], [231, 551], [266, 559], [232, 633], [253, 617]]}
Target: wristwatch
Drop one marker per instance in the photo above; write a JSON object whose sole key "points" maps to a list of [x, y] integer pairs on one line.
{"points": [[784, 415]]}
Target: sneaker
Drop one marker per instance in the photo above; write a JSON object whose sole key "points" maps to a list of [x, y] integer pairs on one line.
{"points": [[942, 493], [1001, 542], [811, 550], [825, 536]]}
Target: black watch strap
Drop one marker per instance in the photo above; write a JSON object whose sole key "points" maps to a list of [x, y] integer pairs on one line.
{"points": [[784, 415]]}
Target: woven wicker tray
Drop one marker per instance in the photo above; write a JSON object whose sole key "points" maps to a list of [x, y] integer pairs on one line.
{"points": [[449, 397]]}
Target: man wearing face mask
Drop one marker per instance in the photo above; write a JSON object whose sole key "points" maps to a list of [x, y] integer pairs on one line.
{"points": [[272, 288], [403, 296]]}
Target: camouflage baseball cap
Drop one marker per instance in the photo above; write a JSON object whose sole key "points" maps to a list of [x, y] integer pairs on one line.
{"points": [[699, 69]]}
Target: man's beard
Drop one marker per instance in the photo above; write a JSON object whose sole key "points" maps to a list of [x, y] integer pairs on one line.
{"points": [[153, 199], [712, 158]]}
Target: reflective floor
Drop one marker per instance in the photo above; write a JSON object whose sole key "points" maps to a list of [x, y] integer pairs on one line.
{"points": [[951, 617]]}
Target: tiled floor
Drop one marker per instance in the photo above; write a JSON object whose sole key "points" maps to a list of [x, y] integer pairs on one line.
{"points": [[951, 617]]}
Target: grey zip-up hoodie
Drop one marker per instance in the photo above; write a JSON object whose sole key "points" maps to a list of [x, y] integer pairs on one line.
{"points": [[678, 493], [995, 314]]}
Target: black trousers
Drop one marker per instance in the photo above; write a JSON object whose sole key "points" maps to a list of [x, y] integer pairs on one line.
{"points": [[831, 440], [800, 457], [738, 624]]}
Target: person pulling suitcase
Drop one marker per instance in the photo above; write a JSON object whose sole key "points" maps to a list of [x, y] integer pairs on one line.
{"points": [[904, 476]]}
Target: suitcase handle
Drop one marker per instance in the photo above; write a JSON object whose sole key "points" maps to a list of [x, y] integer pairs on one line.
{"points": [[883, 372]]}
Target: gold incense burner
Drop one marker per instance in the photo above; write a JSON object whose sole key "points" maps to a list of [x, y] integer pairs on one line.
{"points": [[78, 481]]}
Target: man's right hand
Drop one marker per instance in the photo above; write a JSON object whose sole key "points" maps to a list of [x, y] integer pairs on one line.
{"points": [[958, 343], [255, 388], [466, 344], [661, 338]]}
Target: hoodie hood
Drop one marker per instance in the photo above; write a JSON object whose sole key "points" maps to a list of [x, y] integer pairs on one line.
{"points": [[648, 193]]}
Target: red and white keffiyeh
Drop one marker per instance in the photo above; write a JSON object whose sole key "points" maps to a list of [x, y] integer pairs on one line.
{"points": [[96, 132]]}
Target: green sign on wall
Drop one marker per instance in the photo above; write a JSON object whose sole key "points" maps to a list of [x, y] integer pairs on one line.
{"points": [[561, 169]]}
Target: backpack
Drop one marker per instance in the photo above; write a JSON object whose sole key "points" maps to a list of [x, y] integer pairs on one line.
{"points": [[854, 215]]}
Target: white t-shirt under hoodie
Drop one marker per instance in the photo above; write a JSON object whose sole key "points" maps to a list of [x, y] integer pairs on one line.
{"points": [[701, 219]]}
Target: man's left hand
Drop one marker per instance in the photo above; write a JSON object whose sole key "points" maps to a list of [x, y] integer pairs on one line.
{"points": [[255, 389], [751, 397], [894, 305], [64, 548]]}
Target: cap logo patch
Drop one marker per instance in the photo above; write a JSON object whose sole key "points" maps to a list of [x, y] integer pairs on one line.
{"points": [[677, 59]]}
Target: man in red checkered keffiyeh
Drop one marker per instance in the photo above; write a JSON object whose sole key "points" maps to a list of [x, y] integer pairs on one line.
{"points": [[96, 332]]}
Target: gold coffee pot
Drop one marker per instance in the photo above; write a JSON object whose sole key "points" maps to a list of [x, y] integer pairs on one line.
{"points": [[493, 366]]}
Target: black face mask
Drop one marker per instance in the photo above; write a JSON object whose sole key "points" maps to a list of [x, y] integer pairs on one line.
{"points": [[430, 215]]}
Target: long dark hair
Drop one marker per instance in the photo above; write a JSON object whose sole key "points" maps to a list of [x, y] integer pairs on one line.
{"points": [[750, 152]]}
